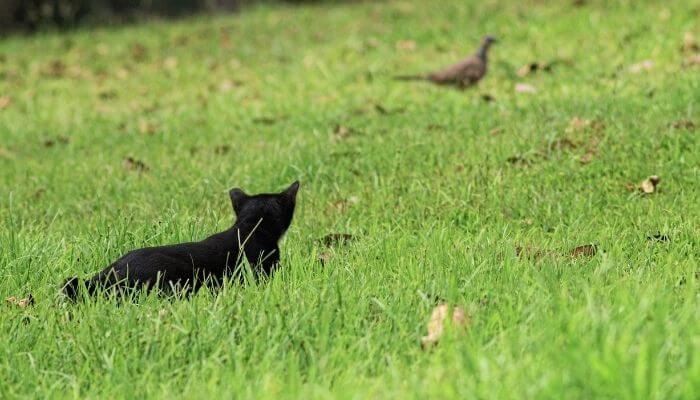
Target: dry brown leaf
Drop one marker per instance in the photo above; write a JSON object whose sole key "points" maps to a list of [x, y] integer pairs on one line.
{"points": [[5, 102], [587, 157], [693, 61], [648, 185], [587, 250], [229, 84], [6, 154], [530, 253], [641, 66], [146, 128], [54, 69], [519, 161], [690, 44], [563, 144], [21, 303], [495, 131], [343, 204], [265, 120], [532, 67], [324, 258], [577, 124], [170, 63], [440, 319], [102, 49], [133, 164], [139, 52], [408, 45], [222, 149], [333, 239], [683, 124], [525, 88]]}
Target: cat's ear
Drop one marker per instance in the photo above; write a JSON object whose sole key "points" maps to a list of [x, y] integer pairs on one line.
{"points": [[237, 196], [291, 191]]}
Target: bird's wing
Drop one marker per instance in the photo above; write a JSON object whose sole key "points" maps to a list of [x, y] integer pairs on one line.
{"points": [[470, 69]]}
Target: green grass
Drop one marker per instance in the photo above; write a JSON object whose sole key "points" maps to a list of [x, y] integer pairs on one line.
{"points": [[436, 207]]}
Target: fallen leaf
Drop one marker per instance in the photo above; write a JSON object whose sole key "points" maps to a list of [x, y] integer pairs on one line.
{"points": [[587, 157], [54, 69], [107, 94], [648, 185], [146, 128], [102, 49], [495, 131], [525, 88], [641, 66], [229, 84], [324, 258], [386, 111], [408, 45], [440, 319], [683, 124], [21, 303], [693, 61], [122, 73], [222, 149], [341, 132], [563, 144], [170, 63], [577, 124], [532, 67], [519, 160], [5, 102], [265, 120], [690, 44], [135, 165], [659, 237], [587, 250], [530, 253], [333, 239], [343, 204], [139, 52], [6, 154]]}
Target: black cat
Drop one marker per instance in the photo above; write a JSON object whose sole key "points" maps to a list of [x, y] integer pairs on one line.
{"points": [[261, 221]]}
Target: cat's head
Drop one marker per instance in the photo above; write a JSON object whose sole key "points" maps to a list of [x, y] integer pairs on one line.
{"points": [[274, 211]]}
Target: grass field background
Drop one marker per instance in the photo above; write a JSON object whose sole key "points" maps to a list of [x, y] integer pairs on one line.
{"points": [[117, 138]]}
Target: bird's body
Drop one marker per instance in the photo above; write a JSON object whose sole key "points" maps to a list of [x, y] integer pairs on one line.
{"points": [[463, 74]]}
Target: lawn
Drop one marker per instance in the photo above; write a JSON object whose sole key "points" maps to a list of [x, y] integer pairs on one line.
{"points": [[122, 137]]}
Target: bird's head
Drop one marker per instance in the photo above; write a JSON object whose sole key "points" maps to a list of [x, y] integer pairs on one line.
{"points": [[489, 40]]}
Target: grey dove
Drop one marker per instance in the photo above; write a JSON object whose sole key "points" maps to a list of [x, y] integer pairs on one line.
{"points": [[465, 73]]}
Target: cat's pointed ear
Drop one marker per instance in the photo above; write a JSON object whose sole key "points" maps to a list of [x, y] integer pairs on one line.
{"points": [[237, 196], [292, 190]]}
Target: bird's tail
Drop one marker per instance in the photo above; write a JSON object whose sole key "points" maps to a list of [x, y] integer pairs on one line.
{"points": [[410, 77]]}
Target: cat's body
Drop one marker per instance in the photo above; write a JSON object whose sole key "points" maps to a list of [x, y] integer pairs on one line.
{"points": [[261, 221]]}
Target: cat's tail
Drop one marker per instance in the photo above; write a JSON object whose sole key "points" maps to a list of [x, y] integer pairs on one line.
{"points": [[71, 287]]}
